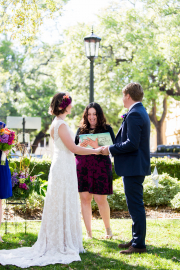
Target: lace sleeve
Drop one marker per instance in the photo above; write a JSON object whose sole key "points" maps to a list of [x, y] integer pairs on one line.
{"points": [[57, 124]]}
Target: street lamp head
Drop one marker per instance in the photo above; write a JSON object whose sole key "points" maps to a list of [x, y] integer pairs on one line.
{"points": [[91, 43]]}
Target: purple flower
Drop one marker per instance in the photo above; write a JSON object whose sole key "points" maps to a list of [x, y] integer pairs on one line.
{"points": [[24, 186], [14, 179], [4, 138]]}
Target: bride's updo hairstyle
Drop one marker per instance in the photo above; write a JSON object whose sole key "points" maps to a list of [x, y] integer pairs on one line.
{"points": [[59, 103]]}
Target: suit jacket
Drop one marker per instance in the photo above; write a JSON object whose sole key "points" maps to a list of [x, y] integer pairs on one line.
{"points": [[131, 150]]}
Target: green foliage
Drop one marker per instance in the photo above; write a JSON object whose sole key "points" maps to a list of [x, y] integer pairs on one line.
{"points": [[33, 186], [5, 146], [175, 202], [24, 180], [167, 188], [34, 203], [23, 18], [36, 165], [31, 81], [166, 165]]}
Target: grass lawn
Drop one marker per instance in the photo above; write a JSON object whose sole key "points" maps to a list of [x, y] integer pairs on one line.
{"points": [[163, 245]]}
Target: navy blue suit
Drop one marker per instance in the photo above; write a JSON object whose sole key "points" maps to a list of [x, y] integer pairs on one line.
{"points": [[131, 153]]}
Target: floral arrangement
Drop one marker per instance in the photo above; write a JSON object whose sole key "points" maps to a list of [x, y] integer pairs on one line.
{"points": [[23, 184], [22, 179], [65, 102], [7, 138]]}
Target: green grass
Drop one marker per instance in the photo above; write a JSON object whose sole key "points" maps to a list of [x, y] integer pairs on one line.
{"points": [[163, 245]]}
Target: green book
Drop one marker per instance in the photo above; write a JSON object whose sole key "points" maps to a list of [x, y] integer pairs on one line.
{"points": [[103, 138]]}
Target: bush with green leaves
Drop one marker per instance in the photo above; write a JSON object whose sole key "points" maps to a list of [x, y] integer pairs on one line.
{"points": [[167, 188], [34, 203], [175, 202], [166, 165]]}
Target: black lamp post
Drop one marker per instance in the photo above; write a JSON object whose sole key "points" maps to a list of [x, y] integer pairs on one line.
{"points": [[91, 48]]}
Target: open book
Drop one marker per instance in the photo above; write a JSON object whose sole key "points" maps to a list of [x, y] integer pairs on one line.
{"points": [[103, 138]]}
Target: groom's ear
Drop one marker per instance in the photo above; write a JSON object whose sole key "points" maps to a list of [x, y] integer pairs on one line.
{"points": [[128, 96]]}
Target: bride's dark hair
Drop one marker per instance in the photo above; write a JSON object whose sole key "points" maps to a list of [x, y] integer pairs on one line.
{"points": [[54, 108], [101, 120]]}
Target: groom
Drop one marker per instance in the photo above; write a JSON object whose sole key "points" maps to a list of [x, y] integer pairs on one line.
{"points": [[131, 154]]}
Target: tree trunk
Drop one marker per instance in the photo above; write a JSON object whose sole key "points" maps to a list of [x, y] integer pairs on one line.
{"points": [[159, 124], [159, 131], [42, 134]]}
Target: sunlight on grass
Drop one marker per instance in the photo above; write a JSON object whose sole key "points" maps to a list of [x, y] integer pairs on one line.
{"points": [[163, 245]]}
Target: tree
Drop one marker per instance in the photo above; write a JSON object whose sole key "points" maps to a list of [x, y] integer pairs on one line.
{"points": [[23, 18], [145, 48], [30, 83], [74, 73]]}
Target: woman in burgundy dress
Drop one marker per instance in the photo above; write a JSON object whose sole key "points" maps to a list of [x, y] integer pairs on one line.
{"points": [[95, 171]]}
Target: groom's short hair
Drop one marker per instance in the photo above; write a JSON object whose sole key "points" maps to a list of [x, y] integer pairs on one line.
{"points": [[135, 91]]}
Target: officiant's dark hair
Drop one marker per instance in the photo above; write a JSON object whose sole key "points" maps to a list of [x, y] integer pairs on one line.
{"points": [[55, 104], [135, 91], [101, 120]]}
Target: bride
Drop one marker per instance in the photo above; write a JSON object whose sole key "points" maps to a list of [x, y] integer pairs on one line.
{"points": [[60, 236]]}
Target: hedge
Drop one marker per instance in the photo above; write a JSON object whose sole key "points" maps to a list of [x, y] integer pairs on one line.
{"points": [[164, 165], [167, 193]]}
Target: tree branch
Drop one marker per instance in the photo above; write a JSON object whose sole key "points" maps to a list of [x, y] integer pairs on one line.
{"points": [[164, 110]]}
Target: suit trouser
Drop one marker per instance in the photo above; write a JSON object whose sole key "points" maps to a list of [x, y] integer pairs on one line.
{"points": [[133, 189]]}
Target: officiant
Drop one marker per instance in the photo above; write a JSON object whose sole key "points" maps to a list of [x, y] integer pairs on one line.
{"points": [[94, 171]]}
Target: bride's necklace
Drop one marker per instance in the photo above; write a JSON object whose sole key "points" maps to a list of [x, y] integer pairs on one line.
{"points": [[58, 117]]}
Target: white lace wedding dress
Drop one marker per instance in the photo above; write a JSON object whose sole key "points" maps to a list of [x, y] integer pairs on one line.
{"points": [[60, 236]]}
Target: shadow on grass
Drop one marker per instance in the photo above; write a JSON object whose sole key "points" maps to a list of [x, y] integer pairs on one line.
{"points": [[17, 240], [95, 260]]}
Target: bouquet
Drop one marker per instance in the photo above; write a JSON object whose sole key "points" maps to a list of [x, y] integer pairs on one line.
{"points": [[6, 141]]}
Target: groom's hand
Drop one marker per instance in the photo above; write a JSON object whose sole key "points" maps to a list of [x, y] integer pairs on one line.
{"points": [[105, 150]]}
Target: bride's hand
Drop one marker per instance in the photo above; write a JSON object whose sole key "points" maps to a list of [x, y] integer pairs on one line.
{"points": [[98, 151]]}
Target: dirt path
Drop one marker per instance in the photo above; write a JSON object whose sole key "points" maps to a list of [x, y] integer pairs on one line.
{"points": [[151, 212]]}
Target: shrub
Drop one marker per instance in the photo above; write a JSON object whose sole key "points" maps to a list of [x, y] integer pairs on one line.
{"points": [[175, 202], [34, 203], [168, 187], [166, 165]]}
